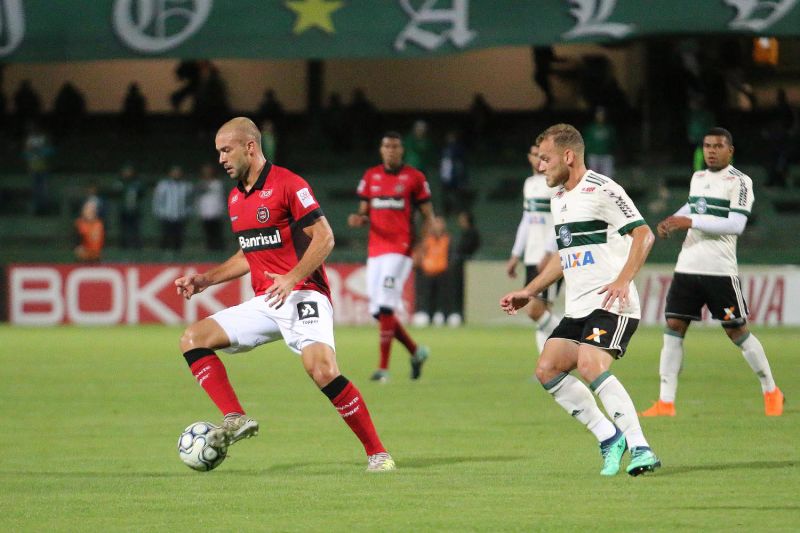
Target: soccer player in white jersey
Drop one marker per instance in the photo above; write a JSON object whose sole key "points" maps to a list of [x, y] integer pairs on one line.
{"points": [[720, 200], [603, 242], [534, 244]]}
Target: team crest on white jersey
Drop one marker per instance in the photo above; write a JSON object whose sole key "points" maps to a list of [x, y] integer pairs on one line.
{"points": [[262, 214], [565, 236], [701, 205]]}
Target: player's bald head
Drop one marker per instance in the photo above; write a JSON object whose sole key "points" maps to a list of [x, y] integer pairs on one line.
{"points": [[241, 129]]}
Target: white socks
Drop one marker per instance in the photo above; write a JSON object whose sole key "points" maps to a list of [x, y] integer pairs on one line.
{"points": [[754, 354], [619, 406], [544, 328], [670, 366], [576, 399]]}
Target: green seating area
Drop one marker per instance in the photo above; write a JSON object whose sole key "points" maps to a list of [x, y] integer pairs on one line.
{"points": [[496, 192]]}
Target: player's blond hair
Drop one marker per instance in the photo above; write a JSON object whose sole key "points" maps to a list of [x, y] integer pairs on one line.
{"points": [[564, 136]]}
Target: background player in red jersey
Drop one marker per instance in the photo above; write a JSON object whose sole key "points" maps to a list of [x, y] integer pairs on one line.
{"points": [[284, 239], [389, 193]]}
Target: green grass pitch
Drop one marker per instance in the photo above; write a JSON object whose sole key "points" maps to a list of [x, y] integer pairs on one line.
{"points": [[92, 418]]}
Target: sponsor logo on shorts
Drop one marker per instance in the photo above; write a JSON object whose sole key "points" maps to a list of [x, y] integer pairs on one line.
{"points": [[262, 214], [729, 312], [307, 310], [596, 335], [388, 282]]}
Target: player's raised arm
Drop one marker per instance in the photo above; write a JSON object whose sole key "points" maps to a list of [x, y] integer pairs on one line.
{"points": [[234, 267]]}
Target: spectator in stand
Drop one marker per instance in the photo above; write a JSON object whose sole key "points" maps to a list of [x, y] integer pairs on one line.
{"points": [[453, 174], [134, 110], [101, 206], [187, 72], [419, 147], [270, 108], [468, 243], [27, 104], [90, 233], [334, 123], [363, 118], [480, 116], [37, 154], [3, 102], [779, 134], [131, 192], [171, 207], [211, 206], [269, 140], [432, 260], [699, 121], [69, 110], [600, 138], [543, 59], [211, 100]]}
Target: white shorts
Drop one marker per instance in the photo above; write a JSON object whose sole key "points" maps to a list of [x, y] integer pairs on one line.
{"points": [[386, 277], [305, 318]]}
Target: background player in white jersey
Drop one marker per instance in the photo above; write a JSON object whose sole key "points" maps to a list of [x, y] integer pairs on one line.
{"points": [[534, 244], [603, 242], [707, 273]]}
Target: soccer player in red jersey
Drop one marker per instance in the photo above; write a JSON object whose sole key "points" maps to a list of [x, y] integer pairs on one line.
{"points": [[284, 239], [389, 193]]}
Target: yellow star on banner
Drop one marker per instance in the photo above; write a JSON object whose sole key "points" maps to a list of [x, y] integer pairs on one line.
{"points": [[313, 13]]}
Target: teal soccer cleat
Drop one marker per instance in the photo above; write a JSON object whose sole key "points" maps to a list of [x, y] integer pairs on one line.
{"points": [[642, 460], [612, 451]]}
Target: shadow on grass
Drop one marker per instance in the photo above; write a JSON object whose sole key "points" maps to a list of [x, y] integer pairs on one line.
{"points": [[753, 465]]}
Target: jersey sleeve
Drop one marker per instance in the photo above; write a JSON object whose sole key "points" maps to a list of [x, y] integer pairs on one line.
{"points": [[741, 196], [619, 210], [363, 187], [422, 191], [301, 202]]}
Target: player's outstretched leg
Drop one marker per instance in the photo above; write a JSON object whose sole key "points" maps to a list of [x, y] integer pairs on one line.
{"points": [[347, 400], [620, 408], [576, 399], [417, 360], [669, 368], [754, 354]]}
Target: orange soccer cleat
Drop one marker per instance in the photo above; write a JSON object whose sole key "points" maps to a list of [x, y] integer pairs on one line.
{"points": [[773, 402], [661, 409]]}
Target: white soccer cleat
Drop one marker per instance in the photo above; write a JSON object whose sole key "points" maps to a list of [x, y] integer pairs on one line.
{"points": [[380, 462], [234, 428]]}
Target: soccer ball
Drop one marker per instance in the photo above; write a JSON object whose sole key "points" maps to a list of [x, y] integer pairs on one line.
{"points": [[196, 451]]}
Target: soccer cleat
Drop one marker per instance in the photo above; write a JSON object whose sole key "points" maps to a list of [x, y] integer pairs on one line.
{"points": [[417, 360], [612, 451], [773, 402], [381, 376], [642, 460], [660, 409], [234, 428], [380, 462]]}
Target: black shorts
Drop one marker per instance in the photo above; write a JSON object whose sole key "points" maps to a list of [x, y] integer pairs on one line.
{"points": [[688, 293], [600, 328], [531, 271]]}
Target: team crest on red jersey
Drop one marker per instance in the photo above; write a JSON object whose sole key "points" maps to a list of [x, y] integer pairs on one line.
{"points": [[234, 198], [262, 214]]}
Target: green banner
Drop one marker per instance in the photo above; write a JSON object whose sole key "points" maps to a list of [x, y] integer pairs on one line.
{"points": [[61, 30]]}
